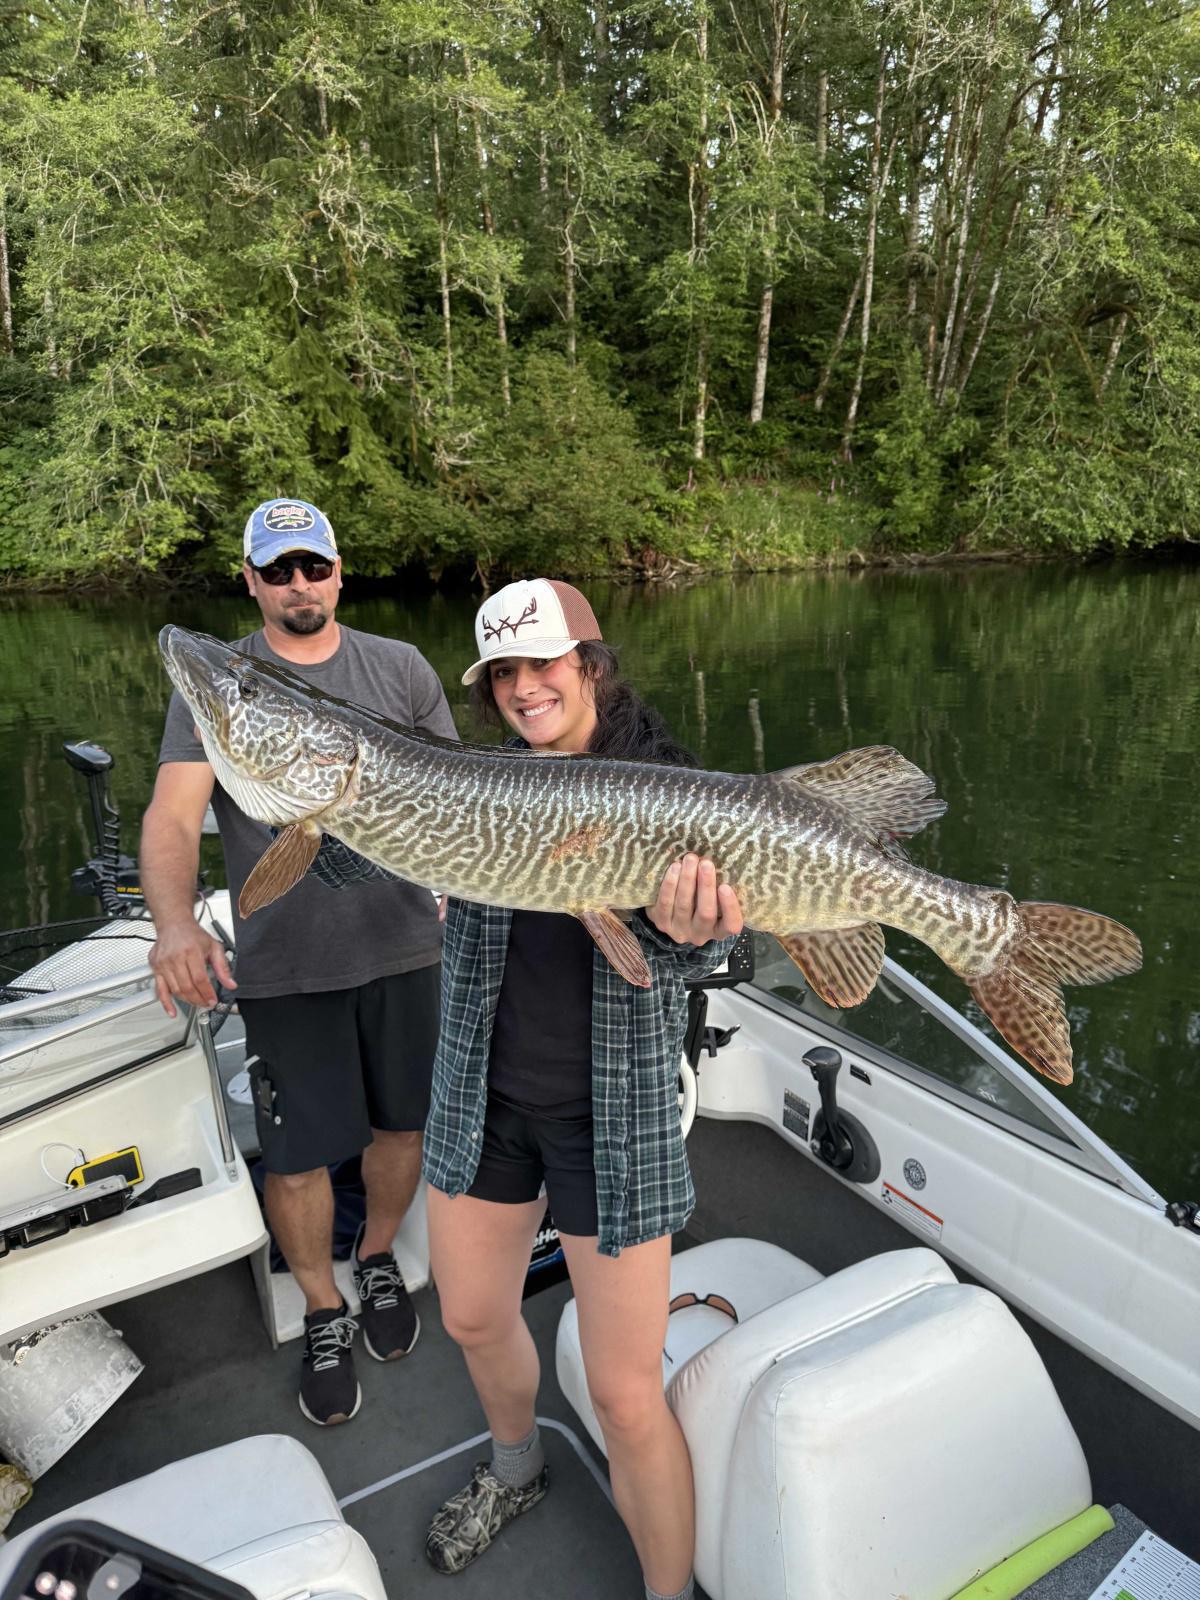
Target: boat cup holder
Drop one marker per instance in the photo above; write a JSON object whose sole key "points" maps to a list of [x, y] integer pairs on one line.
{"points": [[839, 1139]]}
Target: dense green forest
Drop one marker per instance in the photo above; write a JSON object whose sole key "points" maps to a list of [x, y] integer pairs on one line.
{"points": [[558, 285]]}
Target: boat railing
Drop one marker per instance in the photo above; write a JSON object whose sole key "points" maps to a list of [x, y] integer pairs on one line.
{"points": [[59, 999]]}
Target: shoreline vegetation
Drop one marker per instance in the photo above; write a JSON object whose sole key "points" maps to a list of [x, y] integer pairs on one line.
{"points": [[643, 291], [650, 567]]}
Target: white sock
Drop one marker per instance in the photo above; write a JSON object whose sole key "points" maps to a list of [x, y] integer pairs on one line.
{"points": [[688, 1592], [518, 1464]]}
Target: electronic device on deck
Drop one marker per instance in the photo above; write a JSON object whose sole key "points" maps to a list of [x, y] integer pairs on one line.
{"points": [[50, 1215], [84, 1561], [125, 1163]]}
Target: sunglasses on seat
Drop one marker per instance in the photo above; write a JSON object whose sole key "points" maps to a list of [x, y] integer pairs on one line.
{"points": [[278, 572], [717, 1301]]}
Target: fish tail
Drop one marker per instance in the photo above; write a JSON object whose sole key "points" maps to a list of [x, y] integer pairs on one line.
{"points": [[1023, 994]]}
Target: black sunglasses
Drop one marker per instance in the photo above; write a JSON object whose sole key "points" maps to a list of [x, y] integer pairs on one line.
{"points": [[278, 572]]}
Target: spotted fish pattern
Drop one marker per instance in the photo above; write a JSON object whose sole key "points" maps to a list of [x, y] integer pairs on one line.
{"points": [[813, 852]]}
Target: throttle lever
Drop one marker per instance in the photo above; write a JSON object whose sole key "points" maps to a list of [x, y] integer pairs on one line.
{"points": [[839, 1139], [833, 1145]]}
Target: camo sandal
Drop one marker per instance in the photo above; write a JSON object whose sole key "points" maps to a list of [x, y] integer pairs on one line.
{"points": [[471, 1519]]}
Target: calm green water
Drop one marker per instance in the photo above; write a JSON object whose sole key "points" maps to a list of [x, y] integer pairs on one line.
{"points": [[1058, 710]]}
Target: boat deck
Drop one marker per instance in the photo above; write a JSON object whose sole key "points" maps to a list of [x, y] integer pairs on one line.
{"points": [[211, 1377]]}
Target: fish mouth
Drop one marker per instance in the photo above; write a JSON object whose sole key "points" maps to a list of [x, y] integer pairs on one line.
{"points": [[196, 665]]}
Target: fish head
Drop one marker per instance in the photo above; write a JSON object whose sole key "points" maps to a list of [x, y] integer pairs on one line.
{"points": [[275, 748]]}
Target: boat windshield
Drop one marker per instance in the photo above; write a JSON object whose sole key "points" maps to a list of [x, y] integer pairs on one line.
{"points": [[898, 1024]]}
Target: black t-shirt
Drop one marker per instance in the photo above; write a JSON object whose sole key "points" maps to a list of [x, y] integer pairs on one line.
{"points": [[541, 1055]]}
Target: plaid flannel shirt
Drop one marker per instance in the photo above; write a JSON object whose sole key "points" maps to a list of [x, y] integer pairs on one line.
{"points": [[643, 1185]]}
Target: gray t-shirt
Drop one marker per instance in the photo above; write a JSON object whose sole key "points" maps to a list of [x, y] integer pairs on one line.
{"points": [[314, 938]]}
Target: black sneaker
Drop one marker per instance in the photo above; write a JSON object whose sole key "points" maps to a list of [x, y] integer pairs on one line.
{"points": [[390, 1325], [329, 1388], [471, 1519]]}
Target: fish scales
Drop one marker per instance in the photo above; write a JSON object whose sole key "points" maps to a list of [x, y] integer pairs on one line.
{"points": [[810, 852]]}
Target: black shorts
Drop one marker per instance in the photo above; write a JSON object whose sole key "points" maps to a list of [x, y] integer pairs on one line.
{"points": [[522, 1151], [332, 1066]]}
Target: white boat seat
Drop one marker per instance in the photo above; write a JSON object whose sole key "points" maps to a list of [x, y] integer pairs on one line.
{"points": [[260, 1511], [886, 1430], [750, 1273]]}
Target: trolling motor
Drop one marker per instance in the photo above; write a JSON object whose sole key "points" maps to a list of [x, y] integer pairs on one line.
{"points": [[109, 875]]}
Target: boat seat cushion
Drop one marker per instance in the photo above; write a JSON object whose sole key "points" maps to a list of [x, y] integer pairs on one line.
{"points": [[749, 1273], [709, 1393], [888, 1431], [259, 1510]]}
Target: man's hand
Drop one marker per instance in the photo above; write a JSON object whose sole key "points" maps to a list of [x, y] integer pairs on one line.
{"points": [[692, 907], [180, 961]]}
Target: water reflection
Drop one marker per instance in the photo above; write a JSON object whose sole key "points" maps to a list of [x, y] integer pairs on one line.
{"points": [[1057, 709]]}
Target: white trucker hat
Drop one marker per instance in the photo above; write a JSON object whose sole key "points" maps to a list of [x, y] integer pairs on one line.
{"points": [[538, 617]]}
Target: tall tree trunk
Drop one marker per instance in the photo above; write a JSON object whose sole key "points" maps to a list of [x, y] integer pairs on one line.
{"points": [[839, 340], [762, 350], [6, 321], [1022, 353], [698, 197], [700, 414], [600, 32], [52, 366], [1114, 350], [779, 27], [443, 259], [941, 234], [489, 228], [868, 260], [985, 319], [912, 215], [143, 10], [570, 266], [960, 253], [1000, 171], [822, 137], [543, 145]]}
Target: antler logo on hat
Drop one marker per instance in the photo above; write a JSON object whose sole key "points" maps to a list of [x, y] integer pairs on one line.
{"points": [[495, 630]]}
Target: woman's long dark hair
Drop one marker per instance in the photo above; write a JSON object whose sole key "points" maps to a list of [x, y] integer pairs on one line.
{"points": [[625, 725]]}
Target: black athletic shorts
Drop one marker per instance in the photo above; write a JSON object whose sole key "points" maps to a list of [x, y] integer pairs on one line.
{"points": [[523, 1151], [330, 1067]]}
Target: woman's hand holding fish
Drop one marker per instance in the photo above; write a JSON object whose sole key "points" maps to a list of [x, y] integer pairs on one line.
{"points": [[692, 907]]}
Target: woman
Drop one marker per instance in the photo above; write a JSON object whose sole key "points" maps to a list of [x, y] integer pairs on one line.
{"points": [[553, 1070]]}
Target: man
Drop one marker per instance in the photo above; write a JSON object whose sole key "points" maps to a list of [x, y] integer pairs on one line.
{"points": [[338, 991]]}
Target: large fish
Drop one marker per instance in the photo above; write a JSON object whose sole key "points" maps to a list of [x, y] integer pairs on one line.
{"points": [[811, 851]]}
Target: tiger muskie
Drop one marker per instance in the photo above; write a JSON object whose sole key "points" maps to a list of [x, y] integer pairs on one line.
{"points": [[811, 851]]}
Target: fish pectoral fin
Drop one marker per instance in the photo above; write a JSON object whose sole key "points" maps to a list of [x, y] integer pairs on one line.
{"points": [[841, 965], [280, 867], [619, 945], [875, 788]]}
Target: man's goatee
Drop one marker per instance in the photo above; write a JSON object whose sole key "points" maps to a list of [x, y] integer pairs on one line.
{"points": [[305, 620]]}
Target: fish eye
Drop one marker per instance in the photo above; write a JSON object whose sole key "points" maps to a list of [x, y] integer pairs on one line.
{"points": [[248, 688]]}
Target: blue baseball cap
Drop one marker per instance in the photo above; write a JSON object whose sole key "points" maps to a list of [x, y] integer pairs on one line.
{"points": [[277, 526]]}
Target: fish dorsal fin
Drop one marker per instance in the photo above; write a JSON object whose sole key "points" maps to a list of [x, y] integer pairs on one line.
{"points": [[619, 945], [281, 865], [876, 788], [841, 965]]}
